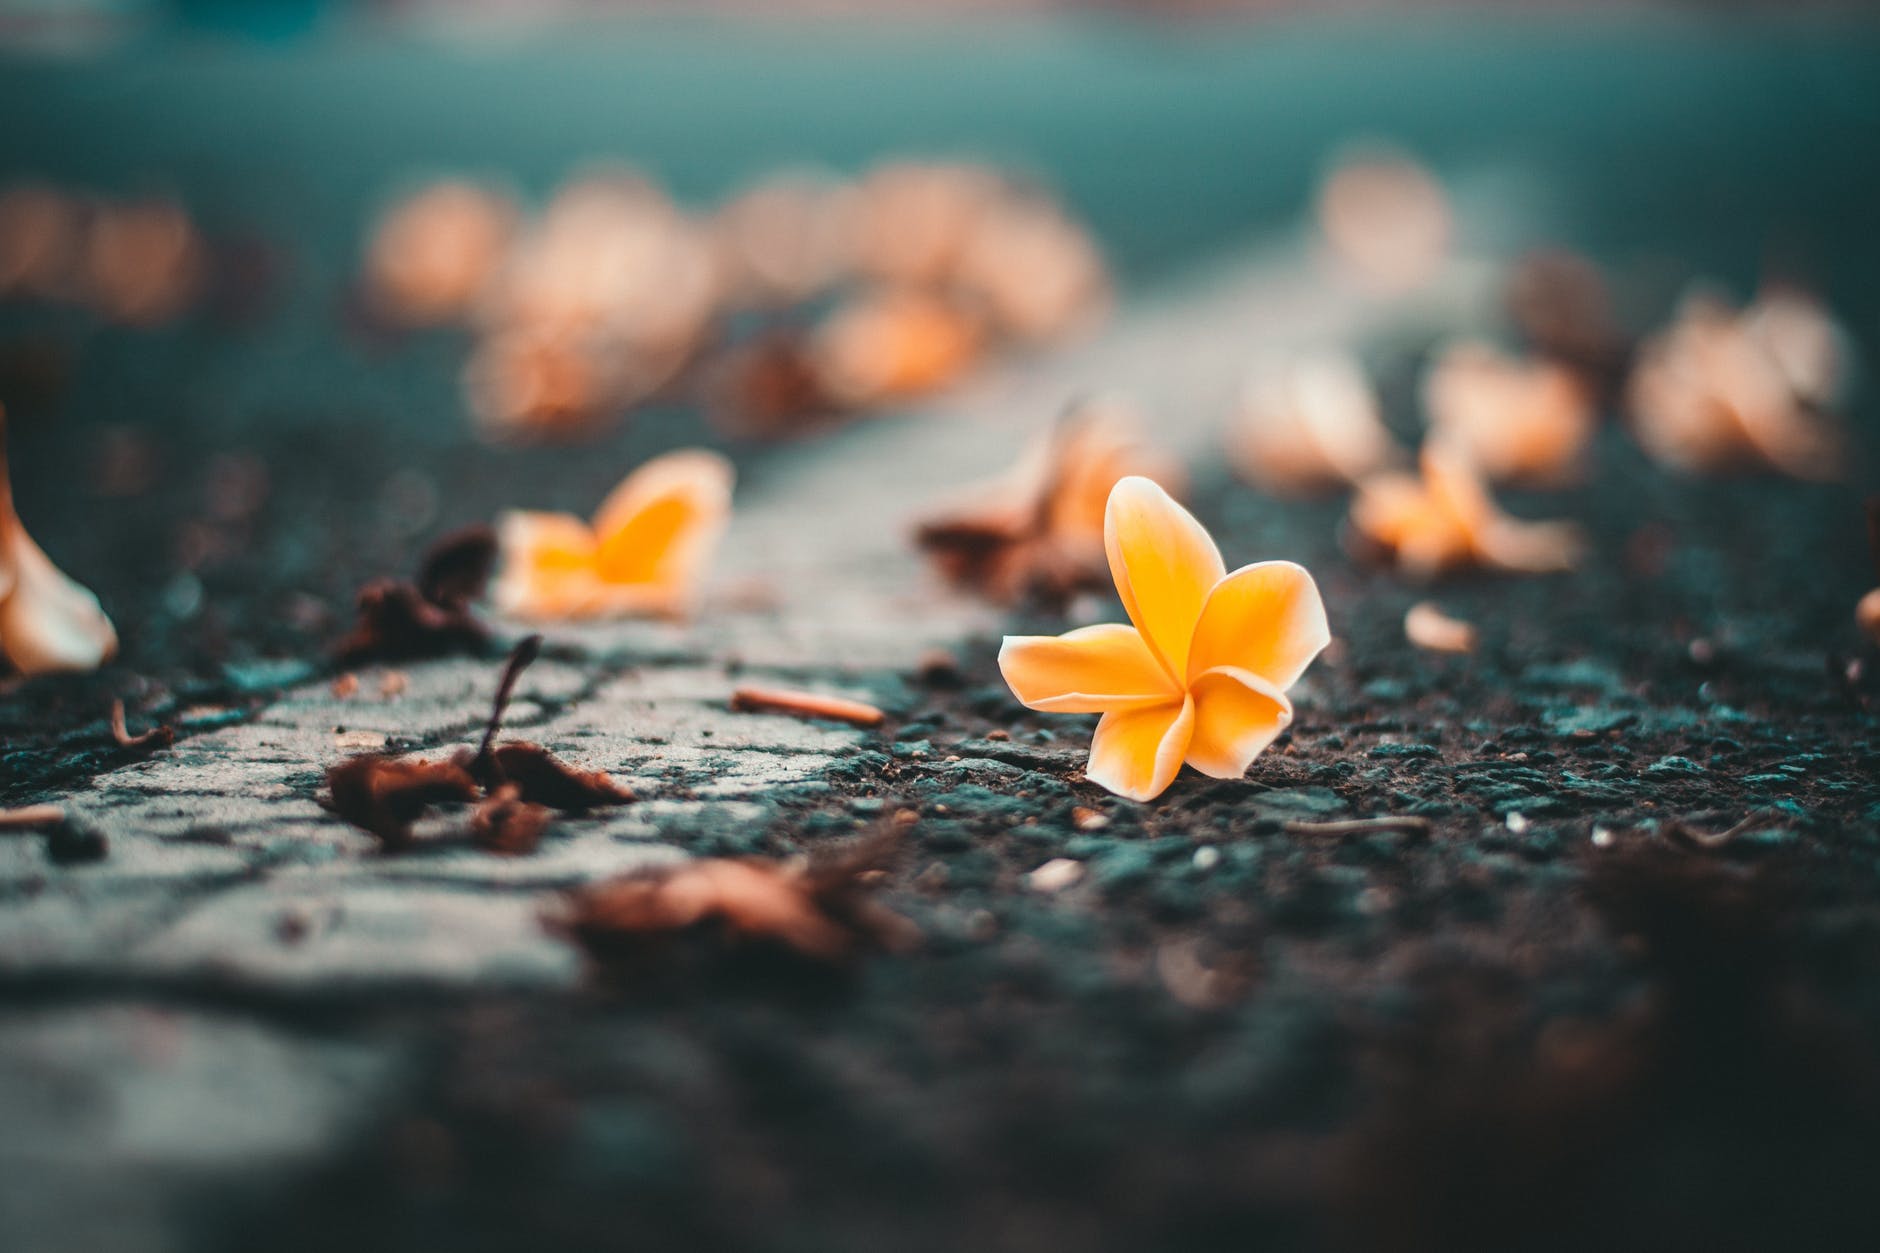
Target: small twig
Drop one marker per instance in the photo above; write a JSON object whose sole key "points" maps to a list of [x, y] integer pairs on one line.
{"points": [[778, 700], [525, 652], [30, 817], [155, 738], [1407, 824], [1710, 841]]}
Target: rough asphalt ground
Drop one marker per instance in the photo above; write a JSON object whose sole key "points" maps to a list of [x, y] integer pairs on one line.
{"points": [[1555, 1022]]}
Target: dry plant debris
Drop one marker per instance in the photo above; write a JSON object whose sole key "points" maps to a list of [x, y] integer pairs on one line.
{"points": [[47, 622], [1201, 674], [817, 907], [157, 737], [644, 554], [1722, 389], [795, 704], [431, 616], [1036, 532], [517, 785], [1521, 421], [1309, 424], [1445, 520], [1428, 627]]}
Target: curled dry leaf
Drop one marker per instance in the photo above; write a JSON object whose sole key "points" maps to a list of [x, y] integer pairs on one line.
{"points": [[540, 778], [1445, 520], [1201, 674], [1721, 390], [1037, 530], [505, 823], [819, 908], [434, 253], [645, 552], [1385, 219], [1309, 424], [47, 622], [1426, 626], [385, 795], [1524, 421], [432, 616]]}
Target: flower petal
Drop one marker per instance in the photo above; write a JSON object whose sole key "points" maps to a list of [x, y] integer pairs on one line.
{"points": [[1091, 670], [1137, 752], [1237, 714], [1266, 618], [661, 524], [1164, 564], [546, 565]]}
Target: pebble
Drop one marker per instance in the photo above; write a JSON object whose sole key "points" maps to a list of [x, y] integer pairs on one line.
{"points": [[1056, 875]]}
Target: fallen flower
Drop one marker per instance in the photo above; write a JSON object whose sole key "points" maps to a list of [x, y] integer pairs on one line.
{"points": [[1446, 520], [1034, 269], [150, 741], [787, 238], [1426, 626], [1037, 530], [1309, 424], [1721, 390], [1201, 676], [432, 616], [894, 344], [818, 908], [777, 700], [644, 554], [47, 622], [1520, 421], [434, 253]]}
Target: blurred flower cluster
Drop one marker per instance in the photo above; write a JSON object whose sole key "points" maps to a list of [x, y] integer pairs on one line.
{"points": [[803, 298], [139, 262]]}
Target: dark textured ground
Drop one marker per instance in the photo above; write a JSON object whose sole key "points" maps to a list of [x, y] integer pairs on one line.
{"points": [[1557, 1022]]}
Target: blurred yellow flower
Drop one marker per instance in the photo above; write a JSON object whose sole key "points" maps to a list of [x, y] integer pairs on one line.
{"points": [[1201, 676], [1446, 520], [645, 553]]}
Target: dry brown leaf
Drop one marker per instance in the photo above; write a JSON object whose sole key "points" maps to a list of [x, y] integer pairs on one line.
{"points": [[506, 824], [819, 908], [400, 621], [385, 795]]}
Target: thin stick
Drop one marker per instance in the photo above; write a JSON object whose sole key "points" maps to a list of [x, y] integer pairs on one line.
{"points": [[779, 700], [1361, 826], [525, 652], [28, 817], [1710, 841], [156, 737]]}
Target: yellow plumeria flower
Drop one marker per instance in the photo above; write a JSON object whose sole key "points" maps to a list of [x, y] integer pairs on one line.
{"points": [[644, 554], [1201, 675]]}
